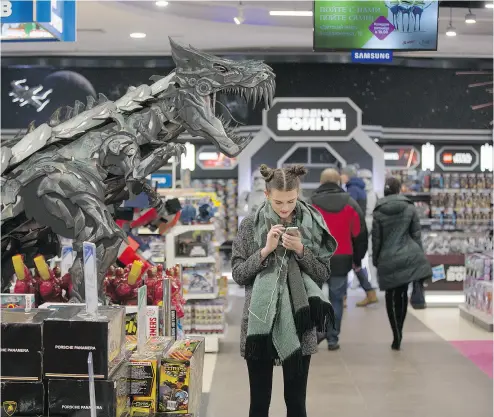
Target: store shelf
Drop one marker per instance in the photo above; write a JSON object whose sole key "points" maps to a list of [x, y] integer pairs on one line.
{"points": [[203, 296], [194, 261], [481, 319], [179, 229]]}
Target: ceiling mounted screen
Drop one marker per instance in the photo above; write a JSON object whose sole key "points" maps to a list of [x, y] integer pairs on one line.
{"points": [[378, 25]]}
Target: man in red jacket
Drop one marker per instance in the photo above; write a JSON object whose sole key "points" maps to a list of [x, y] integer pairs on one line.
{"points": [[346, 222]]}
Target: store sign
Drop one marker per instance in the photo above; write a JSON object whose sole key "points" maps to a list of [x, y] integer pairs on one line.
{"points": [[457, 158], [401, 157], [161, 180], [309, 118], [363, 57], [38, 20], [456, 273]]}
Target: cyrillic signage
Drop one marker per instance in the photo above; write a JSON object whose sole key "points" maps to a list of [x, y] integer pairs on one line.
{"points": [[309, 118]]}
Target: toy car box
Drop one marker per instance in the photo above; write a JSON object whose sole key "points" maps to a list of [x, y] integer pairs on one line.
{"points": [[144, 372], [70, 397], [22, 344], [22, 398], [70, 334], [180, 386]]}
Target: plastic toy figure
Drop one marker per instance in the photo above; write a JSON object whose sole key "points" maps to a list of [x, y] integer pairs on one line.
{"points": [[61, 177]]}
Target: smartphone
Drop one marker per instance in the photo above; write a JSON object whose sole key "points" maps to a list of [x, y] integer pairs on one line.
{"points": [[292, 230]]}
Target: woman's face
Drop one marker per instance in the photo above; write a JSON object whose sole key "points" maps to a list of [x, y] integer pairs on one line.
{"points": [[283, 202]]}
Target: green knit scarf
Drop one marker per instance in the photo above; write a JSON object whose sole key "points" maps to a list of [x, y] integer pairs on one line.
{"points": [[285, 301]]}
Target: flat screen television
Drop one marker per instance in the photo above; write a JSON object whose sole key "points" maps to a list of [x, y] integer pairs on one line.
{"points": [[398, 25]]}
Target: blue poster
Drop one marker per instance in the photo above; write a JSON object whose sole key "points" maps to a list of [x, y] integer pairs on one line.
{"points": [[161, 180], [438, 273]]}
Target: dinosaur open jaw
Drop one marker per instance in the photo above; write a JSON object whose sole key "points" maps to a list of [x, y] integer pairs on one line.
{"points": [[261, 92]]}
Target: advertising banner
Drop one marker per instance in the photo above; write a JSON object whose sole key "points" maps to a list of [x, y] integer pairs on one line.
{"points": [[378, 25]]}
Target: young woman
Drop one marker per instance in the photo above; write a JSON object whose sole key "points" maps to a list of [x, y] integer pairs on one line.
{"points": [[281, 255], [397, 253]]}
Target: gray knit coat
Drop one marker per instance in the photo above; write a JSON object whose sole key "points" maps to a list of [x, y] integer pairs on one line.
{"points": [[246, 264]]}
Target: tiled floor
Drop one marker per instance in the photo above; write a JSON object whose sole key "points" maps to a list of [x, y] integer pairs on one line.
{"points": [[429, 378]]}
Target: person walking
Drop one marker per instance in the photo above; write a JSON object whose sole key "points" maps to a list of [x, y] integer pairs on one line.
{"points": [[361, 273], [397, 253], [282, 256], [354, 185], [346, 222]]}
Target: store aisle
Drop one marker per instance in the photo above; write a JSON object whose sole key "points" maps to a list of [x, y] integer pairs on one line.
{"points": [[429, 377]]}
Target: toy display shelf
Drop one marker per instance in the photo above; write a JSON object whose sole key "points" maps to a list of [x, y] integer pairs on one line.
{"points": [[212, 341], [202, 296], [480, 318]]}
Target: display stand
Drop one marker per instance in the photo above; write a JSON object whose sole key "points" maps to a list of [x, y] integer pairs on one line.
{"points": [[478, 289]]}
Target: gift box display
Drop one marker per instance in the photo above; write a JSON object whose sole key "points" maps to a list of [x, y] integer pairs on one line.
{"points": [[22, 398], [69, 335], [69, 397], [22, 344]]}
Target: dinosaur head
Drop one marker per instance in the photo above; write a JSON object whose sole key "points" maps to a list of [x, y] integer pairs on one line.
{"points": [[199, 76]]}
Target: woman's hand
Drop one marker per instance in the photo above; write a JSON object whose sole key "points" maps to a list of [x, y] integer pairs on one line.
{"points": [[294, 243], [272, 240]]}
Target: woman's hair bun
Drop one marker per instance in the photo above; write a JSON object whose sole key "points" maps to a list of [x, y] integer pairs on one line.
{"points": [[297, 170], [266, 172]]}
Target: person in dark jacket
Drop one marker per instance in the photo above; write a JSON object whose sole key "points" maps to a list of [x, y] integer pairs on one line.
{"points": [[397, 253], [354, 186], [346, 223]]}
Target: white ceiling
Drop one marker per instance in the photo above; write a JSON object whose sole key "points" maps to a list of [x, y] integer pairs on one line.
{"points": [[104, 28]]}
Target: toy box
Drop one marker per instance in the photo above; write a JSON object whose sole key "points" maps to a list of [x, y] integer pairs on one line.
{"points": [[152, 317], [22, 344], [70, 397], [25, 301], [22, 398], [199, 279], [144, 370], [180, 386], [69, 335]]}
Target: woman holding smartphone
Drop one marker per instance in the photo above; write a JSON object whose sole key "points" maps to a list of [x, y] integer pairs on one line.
{"points": [[281, 255]]}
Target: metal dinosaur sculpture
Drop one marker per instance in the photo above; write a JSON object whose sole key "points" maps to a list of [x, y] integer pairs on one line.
{"points": [[63, 177]]}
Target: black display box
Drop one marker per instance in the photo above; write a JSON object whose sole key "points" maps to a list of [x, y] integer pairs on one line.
{"points": [[22, 398], [70, 397], [69, 335], [22, 344]]}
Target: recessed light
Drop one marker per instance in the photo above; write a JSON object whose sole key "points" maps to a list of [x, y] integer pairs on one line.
{"points": [[489, 5], [161, 3], [293, 13], [138, 35], [376, 140]]}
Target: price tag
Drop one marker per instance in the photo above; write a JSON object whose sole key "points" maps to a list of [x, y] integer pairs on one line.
{"points": [[90, 278], [141, 316]]}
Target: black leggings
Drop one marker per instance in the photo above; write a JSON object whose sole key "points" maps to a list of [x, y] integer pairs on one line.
{"points": [[396, 306], [261, 384]]}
